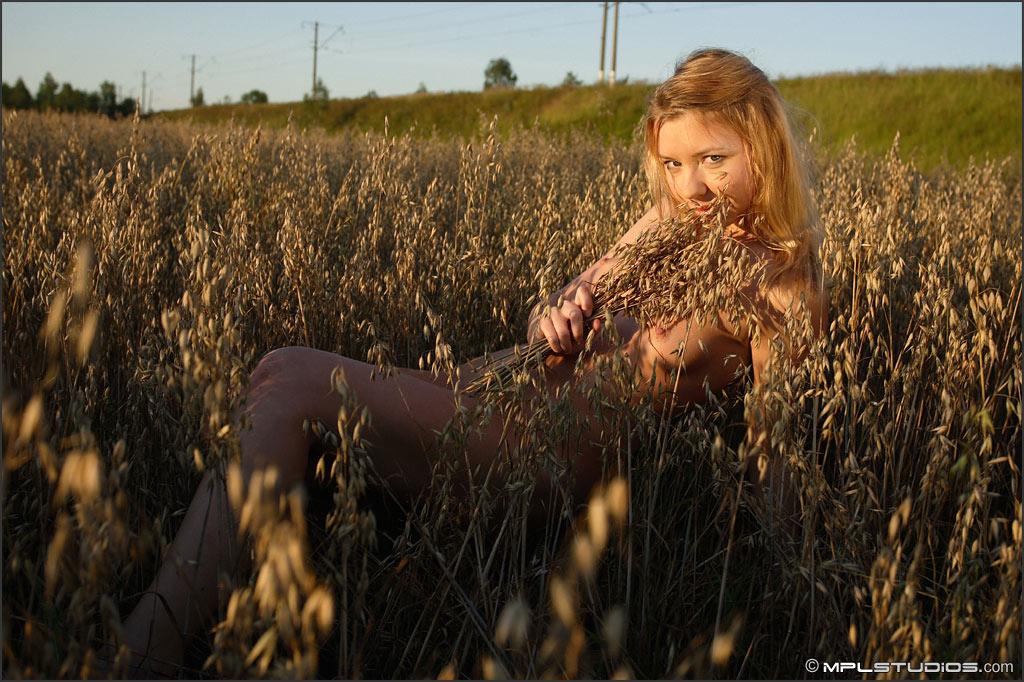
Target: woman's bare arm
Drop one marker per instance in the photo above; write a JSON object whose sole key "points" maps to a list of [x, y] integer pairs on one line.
{"points": [[593, 273]]}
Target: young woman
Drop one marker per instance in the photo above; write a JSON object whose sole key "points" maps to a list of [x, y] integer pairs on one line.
{"points": [[716, 126]]}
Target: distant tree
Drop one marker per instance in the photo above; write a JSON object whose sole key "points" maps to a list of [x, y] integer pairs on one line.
{"points": [[422, 89], [571, 80], [18, 96], [226, 100], [107, 99], [499, 74], [254, 97], [321, 92], [127, 107], [65, 98], [197, 99], [47, 92], [70, 99], [372, 94]]}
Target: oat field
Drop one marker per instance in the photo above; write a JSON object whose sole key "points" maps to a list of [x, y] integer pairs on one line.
{"points": [[148, 266]]}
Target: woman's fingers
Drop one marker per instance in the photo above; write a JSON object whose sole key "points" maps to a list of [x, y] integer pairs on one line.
{"points": [[575, 316], [585, 299], [564, 327], [549, 325], [562, 330], [548, 329]]}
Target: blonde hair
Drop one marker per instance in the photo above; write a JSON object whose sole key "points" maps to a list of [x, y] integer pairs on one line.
{"points": [[728, 89]]}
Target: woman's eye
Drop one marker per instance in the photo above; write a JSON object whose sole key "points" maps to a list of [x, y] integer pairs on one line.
{"points": [[672, 164], [714, 158]]}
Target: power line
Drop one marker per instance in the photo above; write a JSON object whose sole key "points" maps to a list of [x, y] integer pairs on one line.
{"points": [[324, 42], [477, 20], [535, 29], [701, 6], [259, 45], [221, 74], [532, 29], [403, 17], [213, 59], [249, 59], [254, 62]]}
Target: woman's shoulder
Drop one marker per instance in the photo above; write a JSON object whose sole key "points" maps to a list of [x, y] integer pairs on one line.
{"points": [[777, 289], [796, 292]]}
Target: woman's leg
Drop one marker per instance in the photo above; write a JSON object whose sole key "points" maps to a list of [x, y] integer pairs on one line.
{"points": [[288, 386], [182, 598]]}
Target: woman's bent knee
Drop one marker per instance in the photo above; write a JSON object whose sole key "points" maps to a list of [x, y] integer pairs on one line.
{"points": [[276, 366], [272, 434]]}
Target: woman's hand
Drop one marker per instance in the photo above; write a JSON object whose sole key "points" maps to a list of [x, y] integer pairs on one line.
{"points": [[563, 326]]}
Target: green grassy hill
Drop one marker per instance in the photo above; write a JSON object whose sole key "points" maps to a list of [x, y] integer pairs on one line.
{"points": [[942, 115]]}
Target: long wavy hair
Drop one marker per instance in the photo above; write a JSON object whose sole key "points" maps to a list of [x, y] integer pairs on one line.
{"points": [[728, 89]]}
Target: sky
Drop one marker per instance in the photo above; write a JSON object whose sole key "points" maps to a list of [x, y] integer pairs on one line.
{"points": [[393, 47]]}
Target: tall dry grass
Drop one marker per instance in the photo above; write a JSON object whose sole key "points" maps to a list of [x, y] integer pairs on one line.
{"points": [[148, 266]]}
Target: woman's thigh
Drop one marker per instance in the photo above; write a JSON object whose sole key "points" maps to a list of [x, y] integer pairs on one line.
{"points": [[581, 449], [405, 411]]}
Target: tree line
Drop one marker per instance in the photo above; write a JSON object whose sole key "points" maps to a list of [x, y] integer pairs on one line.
{"points": [[50, 96]]}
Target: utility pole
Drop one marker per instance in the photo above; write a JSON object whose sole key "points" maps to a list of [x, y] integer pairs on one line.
{"points": [[192, 84], [604, 30], [316, 39], [316, 46], [142, 99], [151, 100], [615, 44]]}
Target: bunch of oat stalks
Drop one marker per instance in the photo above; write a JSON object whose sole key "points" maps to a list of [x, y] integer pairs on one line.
{"points": [[685, 266]]}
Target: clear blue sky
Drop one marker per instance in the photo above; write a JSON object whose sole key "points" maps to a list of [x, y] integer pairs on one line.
{"points": [[393, 47]]}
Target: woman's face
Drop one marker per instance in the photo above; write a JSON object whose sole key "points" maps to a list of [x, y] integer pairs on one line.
{"points": [[702, 158]]}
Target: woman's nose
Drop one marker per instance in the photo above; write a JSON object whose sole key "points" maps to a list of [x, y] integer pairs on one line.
{"points": [[690, 185]]}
